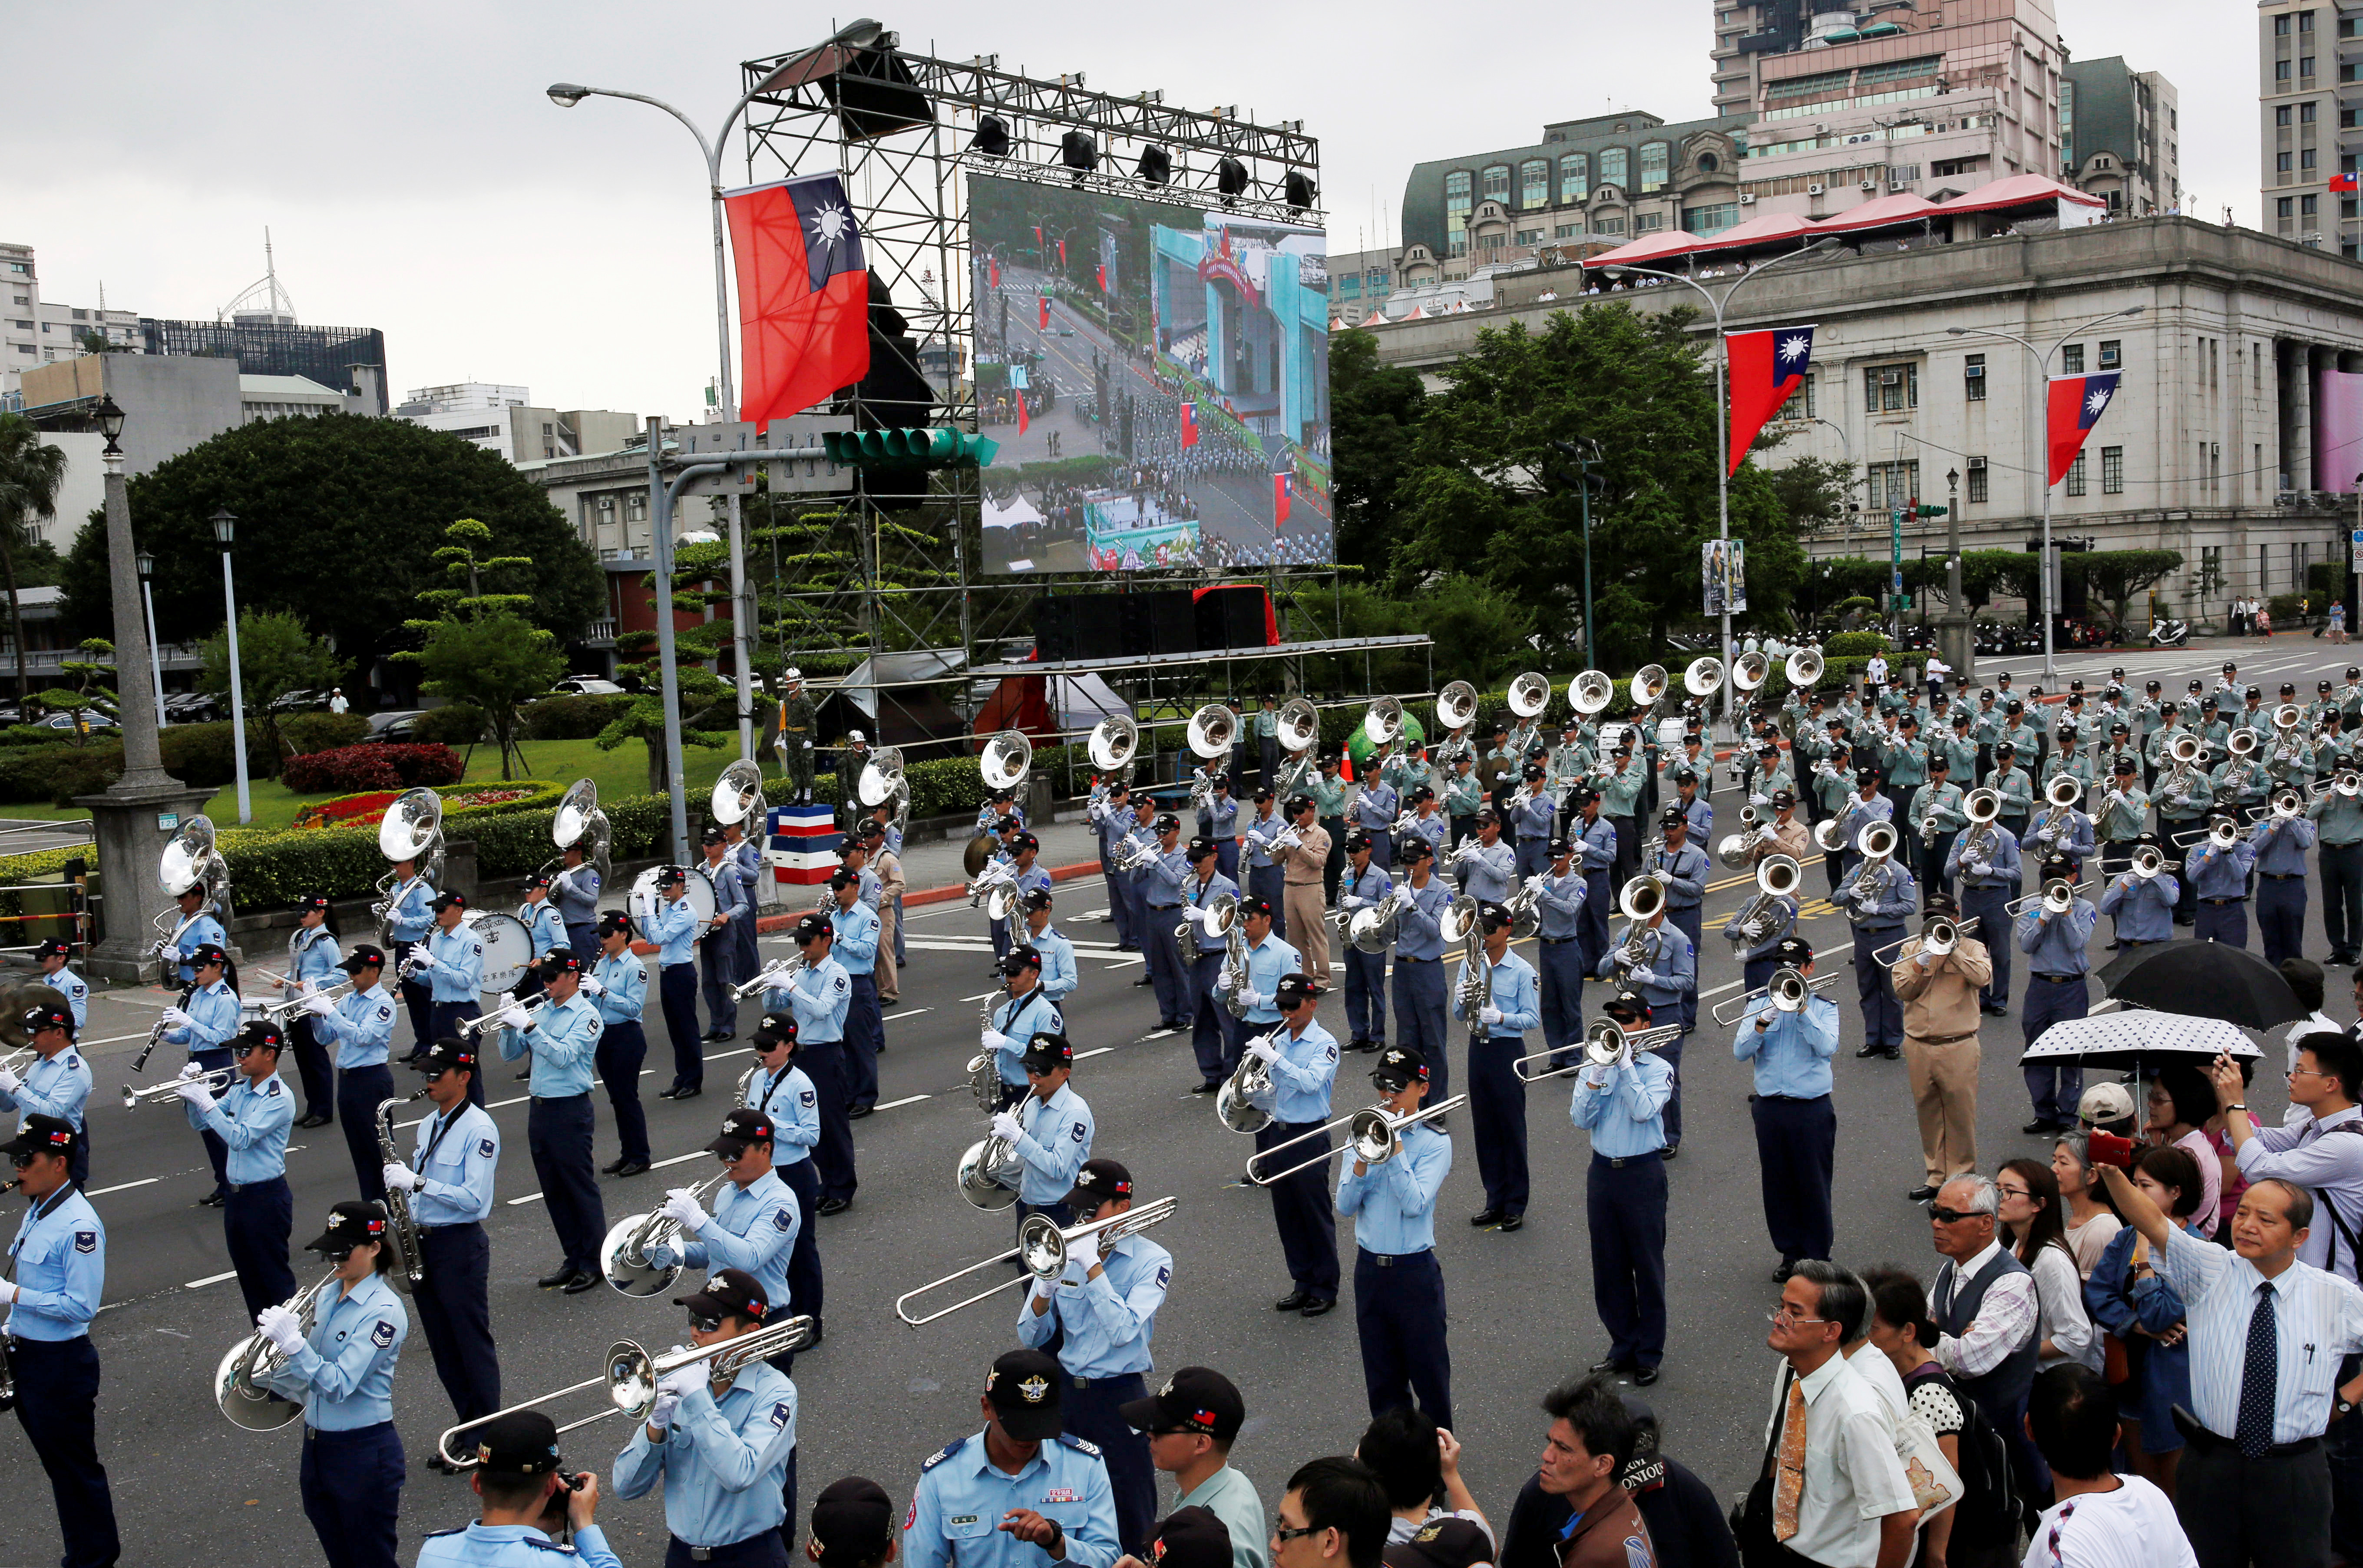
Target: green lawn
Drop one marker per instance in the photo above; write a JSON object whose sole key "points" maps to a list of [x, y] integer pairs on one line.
{"points": [[618, 773]]}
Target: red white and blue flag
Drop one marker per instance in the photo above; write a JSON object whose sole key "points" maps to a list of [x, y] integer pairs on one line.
{"points": [[804, 294], [1063, 251], [2347, 179], [2075, 405], [1189, 422], [1041, 311], [992, 267], [1766, 369], [1284, 486], [1103, 271]]}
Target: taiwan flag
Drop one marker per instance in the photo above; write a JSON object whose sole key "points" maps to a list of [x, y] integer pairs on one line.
{"points": [[1042, 311], [1189, 425], [993, 271], [1022, 421], [1767, 368], [1103, 270], [1062, 252], [1038, 239], [1284, 486], [803, 296], [2076, 405], [2346, 180]]}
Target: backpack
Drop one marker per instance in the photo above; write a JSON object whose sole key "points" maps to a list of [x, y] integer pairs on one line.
{"points": [[1988, 1514]]}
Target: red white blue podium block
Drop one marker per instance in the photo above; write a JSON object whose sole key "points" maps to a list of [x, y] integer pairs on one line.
{"points": [[801, 843]]}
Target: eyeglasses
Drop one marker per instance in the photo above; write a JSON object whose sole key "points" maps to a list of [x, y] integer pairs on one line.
{"points": [[2013, 1192], [1790, 1314], [704, 1324], [1283, 1535], [2296, 1072]]}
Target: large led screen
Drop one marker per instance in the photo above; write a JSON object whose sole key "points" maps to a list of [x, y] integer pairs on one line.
{"points": [[1157, 378]]}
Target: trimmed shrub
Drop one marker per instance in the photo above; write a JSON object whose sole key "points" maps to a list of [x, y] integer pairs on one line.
{"points": [[321, 732], [204, 756], [1847, 645], [351, 769], [570, 717], [456, 724]]}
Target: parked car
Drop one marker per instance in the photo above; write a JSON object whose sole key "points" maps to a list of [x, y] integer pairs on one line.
{"points": [[299, 703], [392, 728], [65, 722], [586, 686], [192, 708]]}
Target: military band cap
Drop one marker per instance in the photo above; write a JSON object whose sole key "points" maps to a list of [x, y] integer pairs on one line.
{"points": [[444, 1054], [732, 1293], [351, 1223], [517, 1442], [364, 955], [1022, 1387]]}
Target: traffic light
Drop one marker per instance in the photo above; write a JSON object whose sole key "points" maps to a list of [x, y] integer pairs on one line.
{"points": [[1935, 510], [1577, 473], [937, 447]]}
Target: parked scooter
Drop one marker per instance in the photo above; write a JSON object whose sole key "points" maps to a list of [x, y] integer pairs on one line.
{"points": [[2168, 634]]}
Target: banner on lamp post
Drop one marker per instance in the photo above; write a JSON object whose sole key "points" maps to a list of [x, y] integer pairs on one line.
{"points": [[1722, 575]]}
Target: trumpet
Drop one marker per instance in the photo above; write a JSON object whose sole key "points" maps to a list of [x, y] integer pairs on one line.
{"points": [[1789, 990], [280, 1012], [471, 1027], [1373, 1136], [1776, 878], [1603, 1044], [773, 976], [623, 1253], [1939, 935], [632, 1374], [1041, 1251], [157, 1093]]}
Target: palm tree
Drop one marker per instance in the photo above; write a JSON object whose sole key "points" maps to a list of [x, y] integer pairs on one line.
{"points": [[30, 472]]}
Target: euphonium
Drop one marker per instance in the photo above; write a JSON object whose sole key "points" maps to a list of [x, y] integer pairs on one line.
{"points": [[1776, 877], [241, 1375], [1640, 901], [623, 1253], [1875, 844]]}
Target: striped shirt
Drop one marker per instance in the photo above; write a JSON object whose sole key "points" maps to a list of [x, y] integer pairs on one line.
{"points": [[2318, 1317], [2330, 1167]]}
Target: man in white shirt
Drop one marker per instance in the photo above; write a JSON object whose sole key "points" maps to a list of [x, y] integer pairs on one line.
{"points": [[2321, 1150], [1839, 1494], [2102, 1520]]}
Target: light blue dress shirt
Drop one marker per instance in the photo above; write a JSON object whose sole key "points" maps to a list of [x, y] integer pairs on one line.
{"points": [[955, 1515], [343, 1372], [1303, 1076], [480, 1545], [1792, 1052], [69, 985], [201, 930], [1559, 902], [543, 927], [1392, 1204], [1021, 1019], [1269, 962], [1516, 993], [1699, 814], [856, 948], [623, 987], [1106, 1323], [459, 972], [55, 1086], [214, 1009], [2281, 846], [312, 954], [361, 1026], [2220, 873], [787, 1097], [2055, 943], [1060, 974], [2144, 907], [2000, 857], [754, 1228], [722, 1461], [1894, 894], [819, 995], [253, 1120], [1669, 974], [1596, 842], [675, 931], [1623, 1105], [413, 910], [563, 1038], [576, 893], [1258, 839], [456, 1158], [1491, 871], [60, 1255], [1055, 1141], [1416, 934], [1686, 871]]}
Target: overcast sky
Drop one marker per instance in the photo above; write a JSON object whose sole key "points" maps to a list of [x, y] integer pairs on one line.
{"points": [[415, 177]]}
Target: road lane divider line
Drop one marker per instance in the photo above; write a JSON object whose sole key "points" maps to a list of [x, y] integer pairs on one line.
{"points": [[209, 1279], [124, 1187]]}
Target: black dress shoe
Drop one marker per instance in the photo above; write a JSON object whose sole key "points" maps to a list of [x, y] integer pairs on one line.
{"points": [[833, 1206], [1209, 1087], [2036, 1126], [613, 1167], [1294, 1301], [1991, 1011], [578, 1281], [669, 1093], [214, 1199], [437, 1463], [1510, 1222], [724, 1037], [689, 1091], [1144, 981], [1920, 1195], [1787, 1267], [1487, 1217], [1316, 1309], [2112, 946], [1867, 1051], [630, 1167], [1645, 1376], [317, 1119], [1611, 1364], [856, 1112], [1892, 1052], [555, 1277]]}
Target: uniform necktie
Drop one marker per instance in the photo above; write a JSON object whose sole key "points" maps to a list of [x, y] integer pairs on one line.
{"points": [[1788, 1485], [2253, 1428]]}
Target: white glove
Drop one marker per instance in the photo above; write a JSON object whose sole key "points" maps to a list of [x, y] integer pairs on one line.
{"points": [[661, 1256], [1263, 1051], [1927, 960], [318, 1007], [1642, 974], [9, 1082], [1256, 999], [591, 983], [397, 1174], [177, 1019], [1006, 1126], [681, 1207], [421, 958], [996, 1041], [1661, 877], [661, 1413], [1046, 1288], [1349, 902], [1083, 1252], [684, 1380], [282, 1327], [514, 1017], [7, 1291], [1488, 1015], [195, 1093]]}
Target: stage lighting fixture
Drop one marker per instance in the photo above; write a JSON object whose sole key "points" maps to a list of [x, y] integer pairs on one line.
{"points": [[1155, 166], [1080, 153], [992, 139], [1230, 179], [1300, 191]]}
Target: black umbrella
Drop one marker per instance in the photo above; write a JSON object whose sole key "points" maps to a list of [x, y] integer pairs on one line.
{"points": [[2203, 979]]}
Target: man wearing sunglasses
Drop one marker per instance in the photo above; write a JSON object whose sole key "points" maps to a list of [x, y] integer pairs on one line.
{"points": [[57, 1083], [725, 1470], [57, 1267], [1192, 1420], [1019, 1493], [819, 996], [562, 1036], [454, 1162], [528, 1496], [360, 1024], [1985, 1308], [251, 1117], [1051, 1131]]}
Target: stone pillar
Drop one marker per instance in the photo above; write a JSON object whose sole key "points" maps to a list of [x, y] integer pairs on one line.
{"points": [[2297, 418], [129, 827]]}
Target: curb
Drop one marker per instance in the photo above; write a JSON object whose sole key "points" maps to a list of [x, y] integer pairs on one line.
{"points": [[767, 924]]}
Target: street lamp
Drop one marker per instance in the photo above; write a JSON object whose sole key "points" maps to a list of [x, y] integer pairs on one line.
{"points": [[1953, 553], [147, 564], [226, 535], [566, 95], [2043, 366], [1722, 410]]}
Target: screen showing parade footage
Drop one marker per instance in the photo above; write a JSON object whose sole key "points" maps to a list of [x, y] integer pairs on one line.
{"points": [[1157, 378]]}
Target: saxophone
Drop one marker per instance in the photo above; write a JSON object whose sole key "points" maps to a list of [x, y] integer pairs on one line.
{"points": [[409, 1269], [1475, 991]]}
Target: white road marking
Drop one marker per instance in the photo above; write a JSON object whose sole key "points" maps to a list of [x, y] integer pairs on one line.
{"points": [[682, 1159], [529, 1197], [209, 1279], [1098, 1051], [124, 1187], [906, 1100]]}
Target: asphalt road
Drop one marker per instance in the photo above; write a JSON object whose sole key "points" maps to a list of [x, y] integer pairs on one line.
{"points": [[877, 1397]]}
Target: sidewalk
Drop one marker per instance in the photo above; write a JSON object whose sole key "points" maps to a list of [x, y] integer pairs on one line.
{"points": [[933, 873]]}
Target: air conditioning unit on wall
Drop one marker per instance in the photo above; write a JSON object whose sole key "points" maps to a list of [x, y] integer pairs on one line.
{"points": [[1812, 190], [1745, 200], [1867, 185]]}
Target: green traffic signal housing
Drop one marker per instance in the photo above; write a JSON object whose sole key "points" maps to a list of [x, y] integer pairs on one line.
{"points": [[936, 446], [1936, 511]]}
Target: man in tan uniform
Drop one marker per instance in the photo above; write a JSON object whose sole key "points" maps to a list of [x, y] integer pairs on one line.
{"points": [[1304, 852], [1784, 835], [891, 887], [1940, 1046]]}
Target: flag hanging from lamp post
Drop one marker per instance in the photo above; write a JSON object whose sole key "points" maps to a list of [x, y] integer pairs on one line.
{"points": [[804, 294], [2074, 405], [1189, 424], [1766, 369]]}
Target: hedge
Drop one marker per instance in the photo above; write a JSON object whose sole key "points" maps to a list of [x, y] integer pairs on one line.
{"points": [[454, 724], [351, 768], [570, 716], [1850, 643]]}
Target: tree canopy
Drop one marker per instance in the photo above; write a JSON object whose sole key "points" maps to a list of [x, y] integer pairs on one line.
{"points": [[275, 656]]}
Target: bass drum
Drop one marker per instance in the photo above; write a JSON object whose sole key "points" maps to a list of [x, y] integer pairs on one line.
{"points": [[640, 902], [508, 949]]}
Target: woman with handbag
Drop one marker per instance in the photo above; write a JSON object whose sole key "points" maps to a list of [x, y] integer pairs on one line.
{"points": [[1980, 1531], [2144, 1357]]}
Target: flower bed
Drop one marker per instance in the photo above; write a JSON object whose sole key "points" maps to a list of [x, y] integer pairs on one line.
{"points": [[368, 808]]}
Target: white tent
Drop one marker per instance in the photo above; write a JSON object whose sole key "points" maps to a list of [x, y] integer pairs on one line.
{"points": [[1009, 514]]}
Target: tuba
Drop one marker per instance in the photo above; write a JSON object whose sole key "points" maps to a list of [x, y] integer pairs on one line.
{"points": [[738, 794], [1803, 668], [1705, 677], [1529, 695], [1113, 742], [1231, 980], [1383, 722], [1005, 760], [1647, 689], [412, 830], [1751, 670], [1876, 843], [190, 860], [1212, 730], [1738, 849], [882, 778], [1456, 706], [1590, 693], [579, 821], [1297, 726]]}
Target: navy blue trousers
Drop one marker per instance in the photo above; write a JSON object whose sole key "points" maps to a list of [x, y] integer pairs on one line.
{"points": [[1089, 1409], [1796, 1147], [2226, 923], [444, 1020], [1366, 994], [1301, 1210], [1882, 1014], [823, 1063], [256, 1220], [57, 1404], [677, 997], [1497, 1108], [455, 1310], [2342, 902], [312, 1068], [1625, 1205], [1596, 902], [718, 971], [1559, 963], [416, 1001], [1687, 922], [865, 1037], [2053, 1088], [1119, 905], [351, 1484], [583, 941], [804, 1287], [360, 1091], [1670, 1053], [216, 1151], [2280, 917], [1757, 973], [1420, 1018], [558, 1131], [1166, 974], [998, 931], [1227, 857], [1399, 1313], [621, 1050], [1212, 1041], [1932, 865], [1984, 905]]}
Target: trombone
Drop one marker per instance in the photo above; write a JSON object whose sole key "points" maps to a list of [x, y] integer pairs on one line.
{"points": [[1041, 1252], [1788, 988], [1372, 1135], [1604, 1042], [632, 1374]]}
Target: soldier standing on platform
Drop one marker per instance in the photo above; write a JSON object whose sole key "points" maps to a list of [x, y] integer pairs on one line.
{"points": [[795, 743]]}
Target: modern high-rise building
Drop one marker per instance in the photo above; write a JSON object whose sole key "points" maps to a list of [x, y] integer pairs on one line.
{"points": [[2309, 100], [2121, 135]]}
